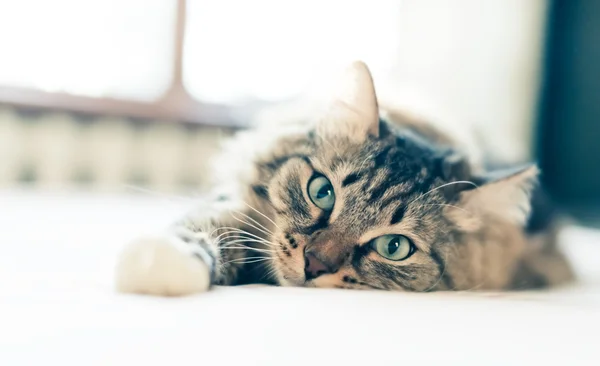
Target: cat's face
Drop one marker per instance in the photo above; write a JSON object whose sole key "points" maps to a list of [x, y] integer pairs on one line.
{"points": [[367, 207], [361, 215]]}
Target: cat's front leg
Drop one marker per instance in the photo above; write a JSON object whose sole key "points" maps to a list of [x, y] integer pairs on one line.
{"points": [[187, 259], [167, 265]]}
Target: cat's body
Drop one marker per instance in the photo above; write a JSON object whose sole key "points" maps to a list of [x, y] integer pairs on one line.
{"points": [[354, 201]]}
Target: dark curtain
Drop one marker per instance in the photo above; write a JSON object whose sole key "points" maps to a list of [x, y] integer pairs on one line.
{"points": [[568, 128]]}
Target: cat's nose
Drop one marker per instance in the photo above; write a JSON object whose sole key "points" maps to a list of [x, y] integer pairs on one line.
{"points": [[314, 267]]}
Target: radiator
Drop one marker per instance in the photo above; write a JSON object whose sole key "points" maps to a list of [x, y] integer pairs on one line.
{"points": [[52, 150]]}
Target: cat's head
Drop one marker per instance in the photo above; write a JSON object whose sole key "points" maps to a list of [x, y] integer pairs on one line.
{"points": [[375, 205]]}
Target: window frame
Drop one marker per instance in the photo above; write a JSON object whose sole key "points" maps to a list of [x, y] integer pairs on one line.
{"points": [[176, 104]]}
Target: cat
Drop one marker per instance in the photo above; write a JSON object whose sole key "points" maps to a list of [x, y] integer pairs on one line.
{"points": [[361, 198]]}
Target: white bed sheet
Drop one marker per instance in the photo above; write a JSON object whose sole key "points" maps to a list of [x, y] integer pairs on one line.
{"points": [[57, 305]]}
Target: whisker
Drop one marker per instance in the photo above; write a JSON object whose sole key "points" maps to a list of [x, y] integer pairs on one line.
{"points": [[240, 247], [474, 287], [448, 205], [231, 230], [362, 165], [232, 239], [248, 260], [249, 248], [251, 258], [249, 224], [241, 239], [263, 215], [254, 221], [269, 273], [237, 230], [441, 275], [363, 284], [442, 186], [237, 235], [214, 231]]}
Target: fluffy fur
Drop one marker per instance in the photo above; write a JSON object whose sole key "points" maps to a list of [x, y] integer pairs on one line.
{"points": [[391, 174]]}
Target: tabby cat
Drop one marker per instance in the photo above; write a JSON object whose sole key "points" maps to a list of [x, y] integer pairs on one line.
{"points": [[361, 198]]}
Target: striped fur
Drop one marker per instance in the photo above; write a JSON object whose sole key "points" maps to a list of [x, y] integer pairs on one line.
{"points": [[398, 175], [383, 185]]}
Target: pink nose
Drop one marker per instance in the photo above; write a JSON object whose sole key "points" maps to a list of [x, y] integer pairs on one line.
{"points": [[313, 267]]}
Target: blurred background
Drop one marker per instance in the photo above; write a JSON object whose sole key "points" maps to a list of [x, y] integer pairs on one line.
{"points": [[106, 95], [112, 110]]}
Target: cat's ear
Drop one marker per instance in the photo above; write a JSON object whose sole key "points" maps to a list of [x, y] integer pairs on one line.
{"points": [[353, 111], [505, 194]]}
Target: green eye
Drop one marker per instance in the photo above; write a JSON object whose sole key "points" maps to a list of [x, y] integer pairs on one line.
{"points": [[393, 247], [321, 192]]}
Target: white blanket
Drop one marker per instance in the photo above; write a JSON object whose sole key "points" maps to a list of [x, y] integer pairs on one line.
{"points": [[58, 307]]}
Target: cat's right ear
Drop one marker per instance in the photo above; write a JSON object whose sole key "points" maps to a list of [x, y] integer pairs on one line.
{"points": [[505, 194], [353, 111]]}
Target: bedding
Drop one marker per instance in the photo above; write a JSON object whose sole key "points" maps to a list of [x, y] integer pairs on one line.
{"points": [[58, 305]]}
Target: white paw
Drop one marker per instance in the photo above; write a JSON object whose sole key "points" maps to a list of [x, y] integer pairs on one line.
{"points": [[161, 266]]}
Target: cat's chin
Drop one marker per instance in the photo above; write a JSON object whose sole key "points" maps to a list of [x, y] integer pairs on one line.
{"points": [[290, 280]]}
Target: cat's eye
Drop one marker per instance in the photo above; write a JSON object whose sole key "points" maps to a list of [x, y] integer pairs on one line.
{"points": [[321, 192], [393, 247]]}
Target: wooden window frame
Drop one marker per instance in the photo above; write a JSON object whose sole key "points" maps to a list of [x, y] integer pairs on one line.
{"points": [[176, 104]]}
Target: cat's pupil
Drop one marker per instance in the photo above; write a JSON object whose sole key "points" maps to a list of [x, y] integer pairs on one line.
{"points": [[393, 246], [324, 192]]}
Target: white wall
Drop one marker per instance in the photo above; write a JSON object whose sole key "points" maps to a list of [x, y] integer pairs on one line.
{"points": [[468, 62], [479, 60]]}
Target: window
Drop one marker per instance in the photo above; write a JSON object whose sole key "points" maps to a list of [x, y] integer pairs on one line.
{"points": [[121, 49], [209, 60], [236, 51]]}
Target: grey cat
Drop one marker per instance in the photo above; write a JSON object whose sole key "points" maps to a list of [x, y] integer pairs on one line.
{"points": [[362, 197]]}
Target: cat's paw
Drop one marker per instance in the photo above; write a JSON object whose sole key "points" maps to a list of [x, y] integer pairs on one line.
{"points": [[161, 266]]}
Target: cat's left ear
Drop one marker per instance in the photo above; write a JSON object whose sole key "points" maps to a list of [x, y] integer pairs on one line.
{"points": [[504, 194], [353, 111]]}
